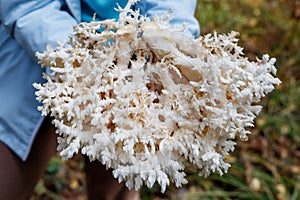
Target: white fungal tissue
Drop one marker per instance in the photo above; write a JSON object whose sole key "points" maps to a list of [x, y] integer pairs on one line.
{"points": [[147, 100]]}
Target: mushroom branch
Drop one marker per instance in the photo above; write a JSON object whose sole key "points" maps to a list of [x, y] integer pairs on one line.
{"points": [[147, 100]]}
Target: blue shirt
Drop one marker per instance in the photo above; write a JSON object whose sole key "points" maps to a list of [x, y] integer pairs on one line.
{"points": [[103, 9]]}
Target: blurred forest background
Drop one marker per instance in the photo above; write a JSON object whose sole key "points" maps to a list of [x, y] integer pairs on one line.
{"points": [[268, 165]]}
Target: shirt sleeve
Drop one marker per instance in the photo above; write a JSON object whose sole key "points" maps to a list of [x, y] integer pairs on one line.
{"points": [[36, 23], [182, 12]]}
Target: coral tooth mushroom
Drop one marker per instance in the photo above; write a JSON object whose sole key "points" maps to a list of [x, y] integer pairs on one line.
{"points": [[145, 99]]}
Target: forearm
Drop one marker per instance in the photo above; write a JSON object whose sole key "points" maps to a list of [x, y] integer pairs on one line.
{"points": [[182, 12], [34, 24]]}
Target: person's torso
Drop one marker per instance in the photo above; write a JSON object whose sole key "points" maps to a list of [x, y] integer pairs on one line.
{"points": [[104, 9]]}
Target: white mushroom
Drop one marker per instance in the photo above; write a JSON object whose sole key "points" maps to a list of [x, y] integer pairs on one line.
{"points": [[144, 99]]}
